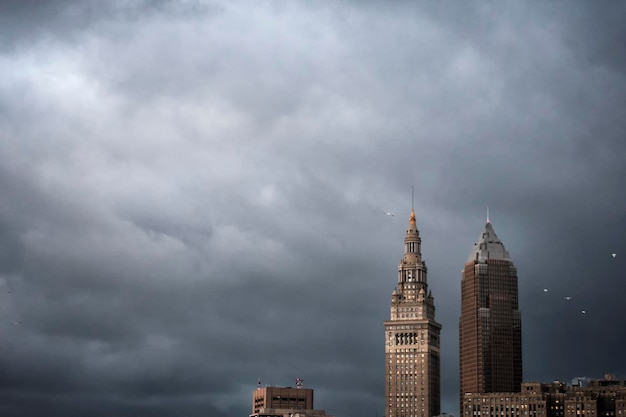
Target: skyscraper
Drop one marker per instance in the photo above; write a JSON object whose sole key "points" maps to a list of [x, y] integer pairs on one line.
{"points": [[490, 326], [412, 338]]}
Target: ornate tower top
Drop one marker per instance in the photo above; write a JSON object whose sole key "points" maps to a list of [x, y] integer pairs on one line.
{"points": [[412, 242], [412, 268]]}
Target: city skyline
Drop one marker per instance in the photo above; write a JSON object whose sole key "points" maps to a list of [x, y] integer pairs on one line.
{"points": [[195, 194]]}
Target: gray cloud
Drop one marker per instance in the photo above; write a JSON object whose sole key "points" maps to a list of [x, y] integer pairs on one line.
{"points": [[193, 193]]}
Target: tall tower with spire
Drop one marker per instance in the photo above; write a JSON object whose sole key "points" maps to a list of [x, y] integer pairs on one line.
{"points": [[412, 364], [490, 325]]}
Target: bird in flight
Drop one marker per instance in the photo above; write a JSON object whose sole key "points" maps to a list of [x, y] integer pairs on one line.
{"points": [[568, 298], [614, 255], [389, 214], [15, 323]]}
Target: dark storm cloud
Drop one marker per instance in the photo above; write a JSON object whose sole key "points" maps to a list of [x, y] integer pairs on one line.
{"points": [[31, 21], [193, 194]]}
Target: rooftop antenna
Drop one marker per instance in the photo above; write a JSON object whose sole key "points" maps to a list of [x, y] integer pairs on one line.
{"points": [[259, 387], [298, 383], [487, 214], [412, 199]]}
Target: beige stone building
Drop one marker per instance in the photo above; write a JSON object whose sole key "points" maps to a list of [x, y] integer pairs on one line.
{"points": [[412, 356], [601, 398], [284, 402]]}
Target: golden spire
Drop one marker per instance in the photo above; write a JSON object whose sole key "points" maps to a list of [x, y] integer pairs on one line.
{"points": [[412, 218]]}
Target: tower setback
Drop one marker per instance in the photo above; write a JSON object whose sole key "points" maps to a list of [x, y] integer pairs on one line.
{"points": [[412, 364]]}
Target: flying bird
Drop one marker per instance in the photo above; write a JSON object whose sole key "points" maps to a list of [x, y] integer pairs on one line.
{"points": [[615, 254], [584, 311], [568, 298], [15, 323], [545, 290], [389, 214]]}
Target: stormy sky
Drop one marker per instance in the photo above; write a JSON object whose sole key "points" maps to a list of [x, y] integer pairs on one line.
{"points": [[192, 193]]}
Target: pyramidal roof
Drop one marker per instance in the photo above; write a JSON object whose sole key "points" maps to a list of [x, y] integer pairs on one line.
{"points": [[488, 246]]}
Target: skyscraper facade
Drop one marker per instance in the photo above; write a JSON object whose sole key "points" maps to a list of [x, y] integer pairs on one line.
{"points": [[490, 326], [412, 364]]}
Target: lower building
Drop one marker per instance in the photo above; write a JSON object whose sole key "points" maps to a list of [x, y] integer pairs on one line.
{"points": [[600, 398], [284, 402]]}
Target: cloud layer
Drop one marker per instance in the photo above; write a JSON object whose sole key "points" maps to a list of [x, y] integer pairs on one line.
{"points": [[193, 193]]}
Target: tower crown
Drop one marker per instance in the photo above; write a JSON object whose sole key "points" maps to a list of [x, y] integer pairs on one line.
{"points": [[488, 246], [412, 268], [412, 240]]}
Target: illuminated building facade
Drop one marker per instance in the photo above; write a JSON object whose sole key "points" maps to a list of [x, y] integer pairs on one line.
{"points": [[601, 398], [412, 356], [284, 402]]}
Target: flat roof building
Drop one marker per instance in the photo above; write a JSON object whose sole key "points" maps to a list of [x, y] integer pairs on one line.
{"points": [[284, 402], [600, 398]]}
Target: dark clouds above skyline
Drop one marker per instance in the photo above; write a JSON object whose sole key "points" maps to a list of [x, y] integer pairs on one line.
{"points": [[193, 193]]}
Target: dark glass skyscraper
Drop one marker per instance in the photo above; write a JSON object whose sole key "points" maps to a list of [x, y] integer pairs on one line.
{"points": [[490, 326], [412, 338]]}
